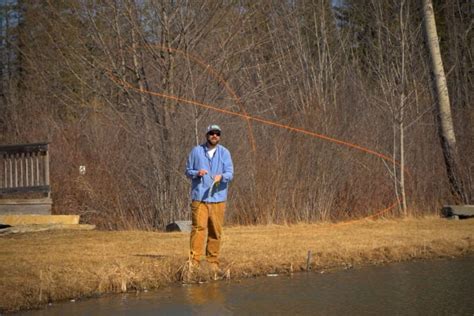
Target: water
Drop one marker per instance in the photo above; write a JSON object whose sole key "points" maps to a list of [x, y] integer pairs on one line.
{"points": [[440, 287]]}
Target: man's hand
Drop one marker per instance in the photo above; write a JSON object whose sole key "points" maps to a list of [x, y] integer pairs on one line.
{"points": [[218, 178], [201, 172]]}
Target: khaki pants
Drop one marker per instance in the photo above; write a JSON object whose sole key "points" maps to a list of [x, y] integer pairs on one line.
{"points": [[207, 219]]}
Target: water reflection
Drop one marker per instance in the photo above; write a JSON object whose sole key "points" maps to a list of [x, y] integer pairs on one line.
{"points": [[211, 296], [440, 287]]}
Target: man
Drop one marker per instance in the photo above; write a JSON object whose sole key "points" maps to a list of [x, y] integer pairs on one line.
{"points": [[210, 168]]}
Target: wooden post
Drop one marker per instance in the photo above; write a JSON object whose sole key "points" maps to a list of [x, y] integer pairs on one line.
{"points": [[16, 170], [10, 171], [27, 174], [308, 261], [5, 181], [46, 168], [32, 169], [37, 182]]}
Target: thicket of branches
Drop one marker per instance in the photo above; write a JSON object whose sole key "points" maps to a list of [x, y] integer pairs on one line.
{"points": [[358, 72]]}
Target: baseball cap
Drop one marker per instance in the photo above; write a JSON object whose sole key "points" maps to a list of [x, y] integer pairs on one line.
{"points": [[213, 127]]}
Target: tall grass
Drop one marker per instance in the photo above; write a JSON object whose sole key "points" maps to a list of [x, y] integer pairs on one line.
{"points": [[39, 268]]}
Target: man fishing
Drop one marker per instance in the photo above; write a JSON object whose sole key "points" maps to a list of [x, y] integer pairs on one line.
{"points": [[210, 168]]}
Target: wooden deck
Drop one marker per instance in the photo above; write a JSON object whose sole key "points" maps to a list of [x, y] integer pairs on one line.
{"points": [[14, 220], [40, 206], [24, 179]]}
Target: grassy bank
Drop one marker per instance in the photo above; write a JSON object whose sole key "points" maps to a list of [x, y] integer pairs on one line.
{"points": [[37, 268]]}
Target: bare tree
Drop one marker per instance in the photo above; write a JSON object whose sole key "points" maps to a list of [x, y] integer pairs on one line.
{"points": [[92, 76], [445, 121]]}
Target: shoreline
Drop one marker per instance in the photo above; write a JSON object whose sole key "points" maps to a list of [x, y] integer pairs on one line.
{"points": [[43, 267], [237, 281]]}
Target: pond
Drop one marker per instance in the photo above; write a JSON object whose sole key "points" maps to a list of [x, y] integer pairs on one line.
{"points": [[436, 287]]}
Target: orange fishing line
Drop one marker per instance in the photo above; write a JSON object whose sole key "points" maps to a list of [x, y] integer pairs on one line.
{"points": [[209, 69], [249, 118]]}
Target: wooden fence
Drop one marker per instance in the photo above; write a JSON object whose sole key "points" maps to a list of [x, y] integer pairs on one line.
{"points": [[24, 175]]}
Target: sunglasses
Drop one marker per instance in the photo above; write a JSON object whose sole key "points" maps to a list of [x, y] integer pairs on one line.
{"points": [[214, 133]]}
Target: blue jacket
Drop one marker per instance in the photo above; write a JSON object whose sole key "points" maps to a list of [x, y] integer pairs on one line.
{"points": [[202, 188]]}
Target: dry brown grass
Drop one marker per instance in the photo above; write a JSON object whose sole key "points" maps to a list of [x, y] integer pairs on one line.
{"points": [[37, 268]]}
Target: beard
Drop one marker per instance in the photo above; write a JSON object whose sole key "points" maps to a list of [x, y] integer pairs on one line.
{"points": [[213, 141]]}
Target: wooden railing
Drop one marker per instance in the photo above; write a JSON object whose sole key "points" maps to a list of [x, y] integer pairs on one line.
{"points": [[24, 173], [24, 168]]}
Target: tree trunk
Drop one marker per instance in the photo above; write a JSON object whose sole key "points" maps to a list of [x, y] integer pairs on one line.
{"points": [[146, 103], [445, 121], [403, 195], [401, 121]]}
